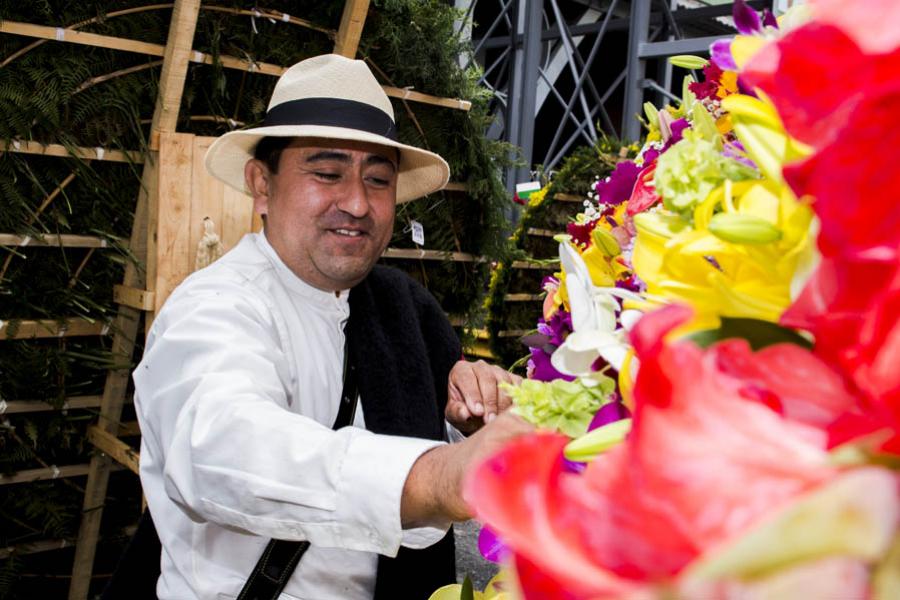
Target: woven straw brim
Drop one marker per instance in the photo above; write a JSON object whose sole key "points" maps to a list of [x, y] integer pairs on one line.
{"points": [[420, 172]]}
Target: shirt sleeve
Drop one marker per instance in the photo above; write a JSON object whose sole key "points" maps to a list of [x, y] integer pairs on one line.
{"points": [[211, 393]]}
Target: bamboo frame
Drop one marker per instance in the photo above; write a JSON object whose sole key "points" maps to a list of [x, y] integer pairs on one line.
{"points": [[421, 254], [568, 197], [230, 62], [32, 406], [523, 297], [121, 452], [52, 328], [52, 240], [352, 21], [542, 232], [176, 55], [29, 147], [51, 472]]}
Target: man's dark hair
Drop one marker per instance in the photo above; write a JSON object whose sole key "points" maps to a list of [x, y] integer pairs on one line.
{"points": [[269, 151]]}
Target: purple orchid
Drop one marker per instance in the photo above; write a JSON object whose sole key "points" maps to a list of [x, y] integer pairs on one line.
{"points": [[491, 546], [746, 20], [720, 55], [541, 369]]}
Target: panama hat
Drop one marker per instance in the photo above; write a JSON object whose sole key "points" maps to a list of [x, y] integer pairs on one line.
{"points": [[332, 97]]}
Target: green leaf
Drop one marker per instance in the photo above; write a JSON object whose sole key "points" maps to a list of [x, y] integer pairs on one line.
{"points": [[758, 334], [688, 61], [467, 593]]}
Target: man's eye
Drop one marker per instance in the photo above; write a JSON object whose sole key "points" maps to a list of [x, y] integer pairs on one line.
{"points": [[328, 176], [379, 181]]}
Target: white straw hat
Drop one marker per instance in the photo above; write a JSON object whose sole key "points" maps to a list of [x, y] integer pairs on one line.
{"points": [[334, 97]]}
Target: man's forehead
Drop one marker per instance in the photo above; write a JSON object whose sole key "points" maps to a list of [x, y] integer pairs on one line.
{"points": [[313, 146]]}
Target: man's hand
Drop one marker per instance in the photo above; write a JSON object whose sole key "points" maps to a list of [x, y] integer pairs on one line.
{"points": [[474, 396], [433, 490]]}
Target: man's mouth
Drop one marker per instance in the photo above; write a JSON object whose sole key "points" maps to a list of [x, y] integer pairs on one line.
{"points": [[348, 232]]}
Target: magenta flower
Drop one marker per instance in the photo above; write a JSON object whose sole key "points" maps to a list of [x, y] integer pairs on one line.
{"points": [[616, 188]]}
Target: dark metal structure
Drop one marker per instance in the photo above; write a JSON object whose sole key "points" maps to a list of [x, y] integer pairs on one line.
{"points": [[564, 72]]}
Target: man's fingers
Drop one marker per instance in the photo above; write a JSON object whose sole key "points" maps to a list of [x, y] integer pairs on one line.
{"points": [[487, 383], [464, 379]]}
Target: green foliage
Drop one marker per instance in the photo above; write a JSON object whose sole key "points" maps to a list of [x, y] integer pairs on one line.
{"points": [[576, 176], [83, 96]]}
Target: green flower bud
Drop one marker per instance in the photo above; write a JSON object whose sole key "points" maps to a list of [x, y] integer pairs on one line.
{"points": [[686, 61], [743, 229], [605, 241]]}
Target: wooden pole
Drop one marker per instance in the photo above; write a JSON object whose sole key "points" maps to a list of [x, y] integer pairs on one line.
{"points": [[352, 22], [165, 116]]}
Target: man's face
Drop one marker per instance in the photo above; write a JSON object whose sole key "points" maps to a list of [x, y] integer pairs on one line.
{"points": [[329, 208]]}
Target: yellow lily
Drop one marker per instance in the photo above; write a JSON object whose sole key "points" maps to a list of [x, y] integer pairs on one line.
{"points": [[748, 242]]}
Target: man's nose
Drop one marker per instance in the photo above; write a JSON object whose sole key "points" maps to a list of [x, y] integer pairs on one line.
{"points": [[354, 198]]}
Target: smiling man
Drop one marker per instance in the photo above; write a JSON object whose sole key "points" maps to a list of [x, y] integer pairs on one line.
{"points": [[292, 396]]}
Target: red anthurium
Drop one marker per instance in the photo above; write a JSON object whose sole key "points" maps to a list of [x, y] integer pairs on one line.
{"points": [[853, 181], [702, 465], [871, 23], [644, 195]]}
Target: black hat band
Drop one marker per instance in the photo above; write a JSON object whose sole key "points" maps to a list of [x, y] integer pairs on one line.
{"points": [[333, 112]]}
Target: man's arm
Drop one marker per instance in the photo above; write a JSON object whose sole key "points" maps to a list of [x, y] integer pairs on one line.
{"points": [[433, 489]]}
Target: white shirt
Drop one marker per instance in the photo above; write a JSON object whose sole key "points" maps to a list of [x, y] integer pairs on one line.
{"points": [[236, 394]]}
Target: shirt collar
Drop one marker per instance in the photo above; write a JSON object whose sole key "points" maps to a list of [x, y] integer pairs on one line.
{"points": [[318, 297]]}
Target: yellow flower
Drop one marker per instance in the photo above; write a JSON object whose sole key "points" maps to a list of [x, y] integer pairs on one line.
{"points": [[744, 266], [727, 84]]}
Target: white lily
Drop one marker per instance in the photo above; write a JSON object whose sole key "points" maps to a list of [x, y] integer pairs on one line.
{"points": [[595, 330]]}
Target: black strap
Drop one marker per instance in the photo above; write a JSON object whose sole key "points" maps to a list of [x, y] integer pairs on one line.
{"points": [[281, 557]]}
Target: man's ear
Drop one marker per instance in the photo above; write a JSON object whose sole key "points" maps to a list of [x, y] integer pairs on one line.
{"points": [[256, 177]]}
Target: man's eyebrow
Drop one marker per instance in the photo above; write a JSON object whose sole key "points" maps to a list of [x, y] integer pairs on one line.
{"points": [[377, 159], [328, 155]]}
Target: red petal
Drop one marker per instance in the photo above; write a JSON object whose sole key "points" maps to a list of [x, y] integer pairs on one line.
{"points": [[872, 24], [812, 108], [644, 195], [853, 179], [520, 493]]}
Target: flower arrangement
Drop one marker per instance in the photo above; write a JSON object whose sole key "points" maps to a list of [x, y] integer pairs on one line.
{"points": [[716, 367]]}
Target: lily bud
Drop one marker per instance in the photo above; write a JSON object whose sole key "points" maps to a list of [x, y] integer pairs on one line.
{"points": [[743, 229], [605, 241], [597, 441]]}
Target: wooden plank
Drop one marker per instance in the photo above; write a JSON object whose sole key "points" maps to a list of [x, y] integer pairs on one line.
{"points": [[229, 62], [29, 147], [73, 36], [165, 115], [133, 297], [237, 217], [523, 297], [484, 334], [526, 264], [44, 473], [205, 201], [51, 328], [350, 31], [408, 94], [422, 254], [542, 232], [63, 240], [32, 406], [173, 238], [131, 428], [121, 452], [479, 349], [35, 547], [569, 198]]}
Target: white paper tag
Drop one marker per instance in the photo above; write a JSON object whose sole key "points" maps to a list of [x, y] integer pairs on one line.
{"points": [[60, 34], [3, 406], [286, 18], [418, 233]]}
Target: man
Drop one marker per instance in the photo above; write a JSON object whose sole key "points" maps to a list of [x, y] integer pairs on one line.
{"points": [[242, 376]]}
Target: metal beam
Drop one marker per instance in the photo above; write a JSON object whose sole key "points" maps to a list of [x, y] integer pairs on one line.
{"points": [[672, 47], [634, 91]]}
